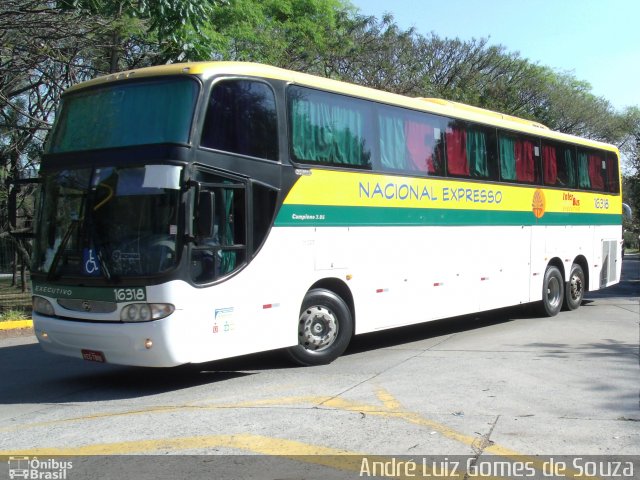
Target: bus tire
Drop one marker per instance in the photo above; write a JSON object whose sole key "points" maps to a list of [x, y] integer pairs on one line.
{"points": [[552, 291], [325, 327], [575, 288]]}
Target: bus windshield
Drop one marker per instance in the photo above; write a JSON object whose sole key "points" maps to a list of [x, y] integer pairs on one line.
{"points": [[119, 115], [108, 222]]}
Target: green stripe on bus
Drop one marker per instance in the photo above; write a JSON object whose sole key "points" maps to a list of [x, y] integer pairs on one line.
{"points": [[334, 216], [105, 294]]}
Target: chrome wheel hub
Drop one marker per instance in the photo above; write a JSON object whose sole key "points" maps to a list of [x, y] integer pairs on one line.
{"points": [[318, 328], [576, 287]]}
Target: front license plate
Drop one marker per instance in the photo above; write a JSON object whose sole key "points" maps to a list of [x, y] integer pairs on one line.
{"points": [[93, 356]]}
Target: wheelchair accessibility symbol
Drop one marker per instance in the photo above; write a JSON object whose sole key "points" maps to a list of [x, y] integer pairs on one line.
{"points": [[90, 263]]}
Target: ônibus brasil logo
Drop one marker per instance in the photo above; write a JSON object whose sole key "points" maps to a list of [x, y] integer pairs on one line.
{"points": [[32, 468]]}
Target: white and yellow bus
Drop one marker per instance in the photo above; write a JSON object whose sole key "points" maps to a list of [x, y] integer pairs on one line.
{"points": [[202, 211]]}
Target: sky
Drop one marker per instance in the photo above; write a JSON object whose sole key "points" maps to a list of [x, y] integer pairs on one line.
{"points": [[597, 41]]}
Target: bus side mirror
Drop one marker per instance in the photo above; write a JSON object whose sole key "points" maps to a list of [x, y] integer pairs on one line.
{"points": [[205, 217]]}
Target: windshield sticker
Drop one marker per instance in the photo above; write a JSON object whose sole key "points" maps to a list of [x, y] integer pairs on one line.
{"points": [[90, 265], [126, 262]]}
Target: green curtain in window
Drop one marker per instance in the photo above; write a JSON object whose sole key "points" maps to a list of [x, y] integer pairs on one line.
{"points": [[477, 153], [507, 158], [583, 171], [130, 114], [327, 133], [570, 168], [393, 149], [307, 142]]}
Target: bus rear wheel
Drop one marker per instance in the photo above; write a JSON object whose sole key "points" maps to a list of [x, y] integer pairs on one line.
{"points": [[575, 288], [325, 327], [552, 291]]}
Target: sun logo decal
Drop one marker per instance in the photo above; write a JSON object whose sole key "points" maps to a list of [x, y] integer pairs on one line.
{"points": [[538, 203]]}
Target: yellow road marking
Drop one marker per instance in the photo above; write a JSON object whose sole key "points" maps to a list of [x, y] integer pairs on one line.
{"points": [[254, 443], [390, 408], [299, 451], [287, 449]]}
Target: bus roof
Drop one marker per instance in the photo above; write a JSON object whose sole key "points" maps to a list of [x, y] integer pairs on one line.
{"points": [[432, 105]]}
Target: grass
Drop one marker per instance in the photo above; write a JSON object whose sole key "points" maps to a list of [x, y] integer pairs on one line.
{"points": [[14, 304], [13, 315]]}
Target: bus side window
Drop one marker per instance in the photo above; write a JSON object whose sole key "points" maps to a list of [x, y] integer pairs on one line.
{"points": [[470, 151], [519, 158], [410, 142], [612, 173], [559, 165], [329, 129], [591, 170], [241, 118]]}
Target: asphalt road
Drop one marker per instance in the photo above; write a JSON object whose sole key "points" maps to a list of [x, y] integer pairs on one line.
{"points": [[504, 384]]}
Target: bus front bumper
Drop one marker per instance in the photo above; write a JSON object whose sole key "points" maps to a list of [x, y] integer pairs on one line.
{"points": [[145, 344]]}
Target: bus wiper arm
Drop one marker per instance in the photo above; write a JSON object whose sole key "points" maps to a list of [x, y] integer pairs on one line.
{"points": [[104, 264], [63, 244]]}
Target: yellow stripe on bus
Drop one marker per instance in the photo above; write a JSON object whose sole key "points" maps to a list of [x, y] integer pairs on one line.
{"points": [[355, 189]]}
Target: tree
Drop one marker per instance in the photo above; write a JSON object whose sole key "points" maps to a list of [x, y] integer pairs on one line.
{"points": [[377, 54], [631, 179], [31, 79], [295, 34], [147, 32]]}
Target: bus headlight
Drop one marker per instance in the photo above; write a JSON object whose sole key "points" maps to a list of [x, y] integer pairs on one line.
{"points": [[42, 306], [144, 312]]}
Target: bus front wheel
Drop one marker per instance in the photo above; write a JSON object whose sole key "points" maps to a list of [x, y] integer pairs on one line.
{"points": [[325, 327], [552, 291], [575, 288]]}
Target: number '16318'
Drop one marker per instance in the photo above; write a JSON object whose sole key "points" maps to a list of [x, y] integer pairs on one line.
{"points": [[129, 294]]}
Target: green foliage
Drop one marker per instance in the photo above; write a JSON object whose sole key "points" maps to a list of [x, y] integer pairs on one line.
{"points": [[631, 196], [296, 34], [168, 30], [13, 315], [378, 54], [165, 17]]}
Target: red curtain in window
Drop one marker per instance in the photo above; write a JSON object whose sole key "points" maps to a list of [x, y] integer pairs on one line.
{"points": [[595, 172], [525, 169], [550, 164], [419, 143], [457, 151]]}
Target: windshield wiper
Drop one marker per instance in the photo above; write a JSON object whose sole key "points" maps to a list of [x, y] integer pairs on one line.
{"points": [[63, 244], [104, 264]]}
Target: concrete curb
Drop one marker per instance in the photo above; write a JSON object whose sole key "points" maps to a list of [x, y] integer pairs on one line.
{"points": [[16, 324]]}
